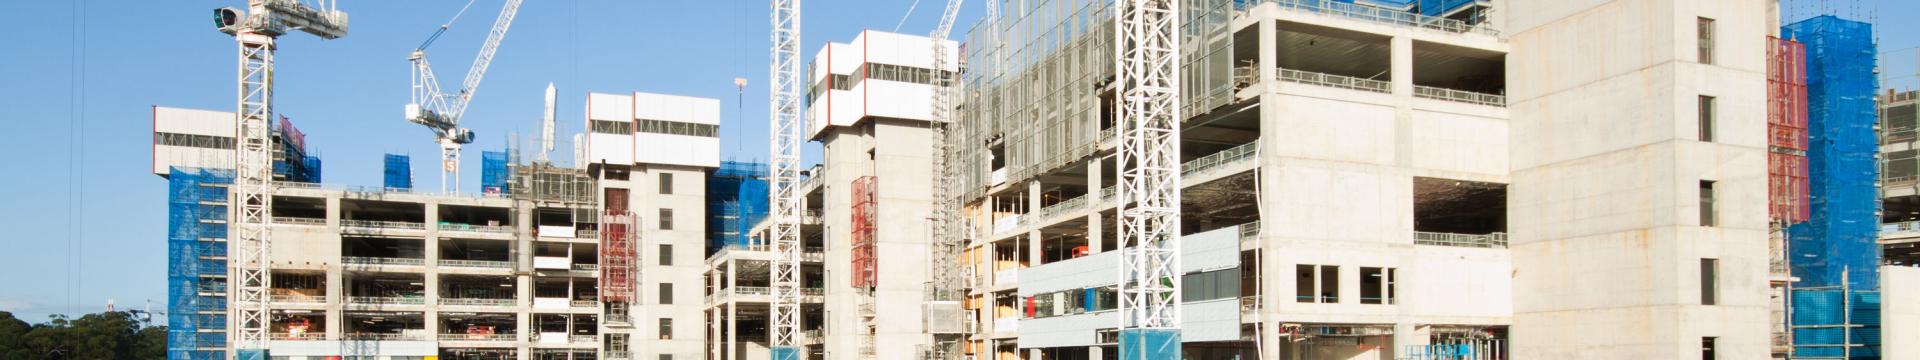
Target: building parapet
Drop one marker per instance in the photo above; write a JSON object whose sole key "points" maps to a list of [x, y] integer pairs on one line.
{"points": [[1375, 14]]}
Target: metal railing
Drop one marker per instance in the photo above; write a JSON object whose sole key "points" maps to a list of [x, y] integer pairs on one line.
{"points": [[587, 234], [1250, 230], [1377, 14], [475, 302], [488, 264], [493, 229], [1335, 81], [288, 220], [1899, 181], [586, 267], [1444, 94], [584, 303], [1215, 160], [1494, 240], [1250, 303], [1049, 211], [384, 336], [1900, 227], [365, 260], [299, 299], [375, 224], [299, 336], [386, 300], [751, 290], [477, 337], [583, 339]]}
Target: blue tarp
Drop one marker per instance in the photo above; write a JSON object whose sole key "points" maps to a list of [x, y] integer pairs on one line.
{"points": [[736, 199], [1149, 344], [399, 172], [493, 172], [196, 227], [1836, 246]]}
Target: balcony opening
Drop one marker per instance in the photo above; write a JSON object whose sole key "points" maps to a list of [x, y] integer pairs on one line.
{"points": [[552, 256], [586, 257], [565, 328], [467, 326], [382, 211], [1459, 74], [813, 279], [476, 253], [1332, 57], [996, 164], [555, 222], [477, 290], [451, 353], [303, 287], [1459, 213], [1010, 255], [289, 324], [1063, 247], [1228, 202], [382, 251], [299, 209], [475, 216], [385, 288], [385, 325]]}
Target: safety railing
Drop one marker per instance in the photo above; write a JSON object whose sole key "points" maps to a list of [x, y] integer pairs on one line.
{"points": [[1899, 181], [1250, 303], [375, 224], [1228, 156], [1494, 240], [288, 220], [1445, 94], [1335, 81], [298, 299], [587, 234], [1377, 14], [586, 267], [583, 339], [477, 337], [1048, 212], [584, 303], [301, 336], [484, 264], [385, 336], [492, 229], [475, 302], [386, 300], [1900, 227], [365, 260]]}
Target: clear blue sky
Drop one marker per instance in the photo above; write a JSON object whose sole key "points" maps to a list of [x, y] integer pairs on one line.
{"points": [[86, 80], [346, 94]]}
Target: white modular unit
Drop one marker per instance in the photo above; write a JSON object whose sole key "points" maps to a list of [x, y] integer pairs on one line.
{"points": [[191, 138], [693, 138], [604, 145]]}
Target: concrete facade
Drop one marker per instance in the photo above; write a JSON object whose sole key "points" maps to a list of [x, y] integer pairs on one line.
{"points": [[1608, 232]]}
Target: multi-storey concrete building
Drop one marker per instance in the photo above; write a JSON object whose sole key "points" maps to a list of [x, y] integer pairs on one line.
{"points": [[585, 262]]}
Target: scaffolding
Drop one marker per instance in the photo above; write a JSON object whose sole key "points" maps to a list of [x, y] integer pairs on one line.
{"points": [[736, 201], [617, 255], [494, 173], [865, 264], [1787, 201], [197, 268], [1835, 251]]}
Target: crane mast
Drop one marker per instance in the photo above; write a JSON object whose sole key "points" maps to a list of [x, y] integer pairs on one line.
{"points": [[440, 111], [255, 29], [1148, 83], [784, 197]]}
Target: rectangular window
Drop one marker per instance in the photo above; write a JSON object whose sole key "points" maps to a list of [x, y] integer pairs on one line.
{"points": [[1706, 204], [1372, 285], [1707, 348], [1709, 281], [612, 127], [666, 293], [666, 219], [191, 140], [1704, 32], [666, 328], [1706, 118], [666, 356], [666, 254], [677, 128], [666, 183], [1330, 284], [1303, 283]]}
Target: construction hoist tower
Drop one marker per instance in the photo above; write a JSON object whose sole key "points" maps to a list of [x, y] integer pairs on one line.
{"points": [[943, 314], [441, 112], [256, 28], [1148, 83], [785, 175]]}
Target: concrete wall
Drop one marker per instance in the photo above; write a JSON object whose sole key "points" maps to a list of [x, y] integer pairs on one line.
{"points": [[1604, 205], [1899, 312], [687, 150], [688, 237]]}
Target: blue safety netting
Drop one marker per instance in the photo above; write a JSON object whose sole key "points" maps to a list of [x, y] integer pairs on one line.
{"points": [[399, 172], [196, 286], [493, 172], [736, 199], [1841, 113], [1835, 247], [1149, 344]]}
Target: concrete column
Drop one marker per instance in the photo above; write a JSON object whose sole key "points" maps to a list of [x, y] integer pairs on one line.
{"points": [[1096, 173], [336, 296], [733, 331], [1034, 248], [1269, 56], [1406, 335], [1034, 354], [1401, 54], [1096, 352]]}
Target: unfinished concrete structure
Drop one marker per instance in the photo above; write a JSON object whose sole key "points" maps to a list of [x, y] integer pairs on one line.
{"points": [[1344, 182], [1627, 213], [556, 264]]}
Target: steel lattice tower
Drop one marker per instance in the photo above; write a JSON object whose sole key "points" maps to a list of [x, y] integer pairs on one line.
{"points": [[1147, 71]]}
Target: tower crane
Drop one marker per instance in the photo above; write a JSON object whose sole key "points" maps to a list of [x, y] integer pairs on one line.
{"points": [[441, 112], [783, 192], [1146, 71], [256, 28]]}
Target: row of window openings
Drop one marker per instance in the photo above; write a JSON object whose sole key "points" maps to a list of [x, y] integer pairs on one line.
{"points": [[1321, 284], [192, 140], [875, 71], [655, 127], [1199, 286]]}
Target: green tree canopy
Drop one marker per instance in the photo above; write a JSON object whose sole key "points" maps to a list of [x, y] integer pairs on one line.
{"points": [[106, 336]]}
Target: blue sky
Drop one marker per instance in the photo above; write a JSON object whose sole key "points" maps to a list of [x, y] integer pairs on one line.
{"points": [[76, 91], [346, 94]]}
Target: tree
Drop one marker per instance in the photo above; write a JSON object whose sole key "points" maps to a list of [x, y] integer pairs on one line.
{"points": [[107, 335]]}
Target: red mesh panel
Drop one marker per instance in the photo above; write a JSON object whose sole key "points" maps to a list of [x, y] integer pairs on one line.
{"points": [[616, 256], [1787, 193], [865, 265]]}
